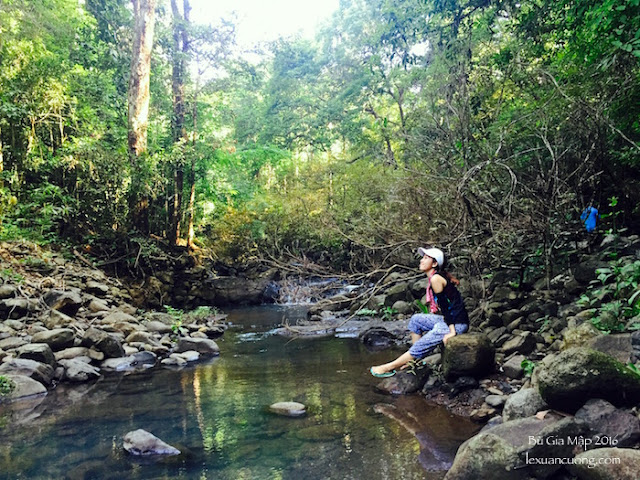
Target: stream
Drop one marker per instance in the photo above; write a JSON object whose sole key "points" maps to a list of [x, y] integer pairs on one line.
{"points": [[216, 414]]}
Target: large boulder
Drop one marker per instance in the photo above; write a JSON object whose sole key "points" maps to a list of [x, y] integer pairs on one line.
{"points": [[233, 290], [610, 424], [23, 387], [468, 354], [40, 372], [204, 346], [103, 342], [502, 452], [57, 339], [567, 380], [607, 464], [526, 402], [141, 442]]}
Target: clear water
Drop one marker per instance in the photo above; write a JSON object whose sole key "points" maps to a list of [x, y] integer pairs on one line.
{"points": [[216, 414]]}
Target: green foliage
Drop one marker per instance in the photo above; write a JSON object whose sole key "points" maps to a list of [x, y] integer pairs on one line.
{"points": [[9, 275], [178, 316], [423, 308], [617, 299], [633, 368], [6, 385], [403, 119], [528, 367], [388, 313]]}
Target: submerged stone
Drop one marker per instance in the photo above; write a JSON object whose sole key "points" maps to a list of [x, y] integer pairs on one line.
{"points": [[288, 409], [141, 442]]}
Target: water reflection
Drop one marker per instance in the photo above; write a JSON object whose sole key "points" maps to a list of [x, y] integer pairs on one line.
{"points": [[216, 414]]}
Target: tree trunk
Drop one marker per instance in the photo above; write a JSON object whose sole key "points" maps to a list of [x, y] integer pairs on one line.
{"points": [[180, 54], [192, 190], [144, 14]]}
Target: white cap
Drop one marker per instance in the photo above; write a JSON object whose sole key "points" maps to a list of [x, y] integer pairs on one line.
{"points": [[434, 253]]}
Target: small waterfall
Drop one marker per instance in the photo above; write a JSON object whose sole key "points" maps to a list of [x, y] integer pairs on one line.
{"points": [[305, 291]]}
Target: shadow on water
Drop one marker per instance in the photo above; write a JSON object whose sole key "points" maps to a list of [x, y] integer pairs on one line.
{"points": [[216, 414]]}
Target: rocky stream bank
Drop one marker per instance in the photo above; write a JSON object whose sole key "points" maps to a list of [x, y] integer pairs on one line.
{"points": [[556, 395], [549, 368]]}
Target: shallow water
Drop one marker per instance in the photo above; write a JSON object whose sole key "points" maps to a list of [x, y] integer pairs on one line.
{"points": [[216, 414]]}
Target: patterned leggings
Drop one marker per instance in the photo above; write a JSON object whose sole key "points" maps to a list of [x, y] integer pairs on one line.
{"points": [[433, 329]]}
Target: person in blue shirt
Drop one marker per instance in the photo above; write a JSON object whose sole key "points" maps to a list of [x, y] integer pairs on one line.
{"points": [[589, 217]]}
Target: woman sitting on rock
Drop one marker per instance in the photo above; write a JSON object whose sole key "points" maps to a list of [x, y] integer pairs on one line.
{"points": [[428, 329]]}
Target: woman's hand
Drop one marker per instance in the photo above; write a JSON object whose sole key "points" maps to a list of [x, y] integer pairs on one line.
{"points": [[446, 338]]}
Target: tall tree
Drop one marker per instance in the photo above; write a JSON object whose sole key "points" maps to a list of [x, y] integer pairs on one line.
{"points": [[179, 132], [144, 14]]}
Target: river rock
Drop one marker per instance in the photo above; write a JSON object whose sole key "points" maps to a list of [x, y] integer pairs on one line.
{"points": [[157, 326], [212, 332], [617, 346], [495, 401], [8, 291], [40, 372], [24, 387], [18, 307], [469, 354], [288, 409], [66, 302], [204, 346], [175, 359], [498, 453], [588, 466], [96, 288], [97, 305], [378, 338], [579, 336], [399, 292], [57, 319], [79, 371], [119, 317], [141, 442], [12, 343], [586, 271], [72, 352], [567, 380], [526, 402], [143, 337], [404, 382], [40, 352], [137, 361], [524, 343], [512, 368], [189, 355], [607, 422], [102, 341], [57, 339]]}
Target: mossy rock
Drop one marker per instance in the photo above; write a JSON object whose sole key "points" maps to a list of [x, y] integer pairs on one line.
{"points": [[469, 354], [567, 380]]}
